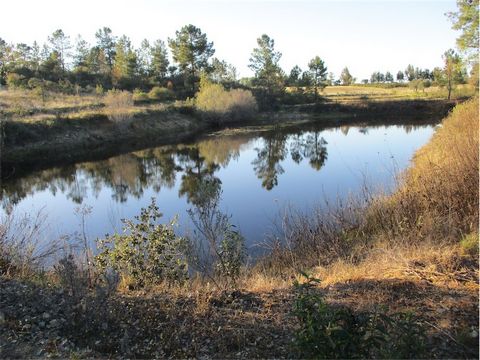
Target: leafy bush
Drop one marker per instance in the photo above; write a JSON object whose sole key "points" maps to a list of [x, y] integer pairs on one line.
{"points": [[147, 252], [15, 80], [330, 332], [139, 95], [161, 93], [216, 103], [118, 105]]}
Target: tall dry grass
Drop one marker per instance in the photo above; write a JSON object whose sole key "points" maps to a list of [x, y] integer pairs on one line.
{"points": [[24, 248], [438, 196], [118, 105]]}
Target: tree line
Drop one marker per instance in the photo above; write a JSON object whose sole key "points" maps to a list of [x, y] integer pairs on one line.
{"points": [[113, 62]]}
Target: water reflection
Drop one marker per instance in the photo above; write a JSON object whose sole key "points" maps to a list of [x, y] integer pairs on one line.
{"points": [[130, 174], [191, 165]]}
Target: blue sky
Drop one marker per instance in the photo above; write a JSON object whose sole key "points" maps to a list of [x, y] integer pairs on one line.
{"points": [[365, 36]]}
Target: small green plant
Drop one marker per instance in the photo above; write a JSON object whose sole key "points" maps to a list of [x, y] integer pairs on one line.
{"points": [[333, 332], [139, 95], [161, 93], [231, 253], [469, 244], [147, 252]]}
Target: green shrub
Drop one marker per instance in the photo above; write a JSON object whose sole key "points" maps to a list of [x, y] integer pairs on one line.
{"points": [[66, 87], [469, 244], [146, 253], [216, 103], [15, 80], [332, 332], [161, 93], [139, 95]]}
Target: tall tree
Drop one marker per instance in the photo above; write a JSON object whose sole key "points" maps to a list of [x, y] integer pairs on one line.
{"points": [[222, 72], [82, 49], [191, 50], [159, 64], [474, 76], [144, 58], [264, 61], [36, 57], [306, 79], [51, 68], [410, 72], [346, 77], [318, 71], [294, 77], [452, 69], [97, 62], [377, 77], [388, 76], [61, 44], [106, 41], [4, 50], [466, 20], [125, 69], [400, 76]]}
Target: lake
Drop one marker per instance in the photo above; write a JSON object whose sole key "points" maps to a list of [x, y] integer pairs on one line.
{"points": [[260, 172]]}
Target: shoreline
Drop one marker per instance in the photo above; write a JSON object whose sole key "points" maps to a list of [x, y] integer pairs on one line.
{"points": [[97, 138]]}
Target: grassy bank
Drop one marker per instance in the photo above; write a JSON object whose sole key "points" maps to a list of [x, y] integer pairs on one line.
{"points": [[66, 128], [385, 275]]}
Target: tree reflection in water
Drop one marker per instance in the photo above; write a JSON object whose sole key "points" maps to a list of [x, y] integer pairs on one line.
{"points": [[267, 164], [129, 175]]}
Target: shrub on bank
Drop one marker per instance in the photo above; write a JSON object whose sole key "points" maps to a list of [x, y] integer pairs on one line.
{"points": [[139, 95], [220, 105], [161, 94], [118, 105], [146, 253]]}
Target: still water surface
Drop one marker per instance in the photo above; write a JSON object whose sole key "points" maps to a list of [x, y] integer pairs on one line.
{"points": [[260, 173]]}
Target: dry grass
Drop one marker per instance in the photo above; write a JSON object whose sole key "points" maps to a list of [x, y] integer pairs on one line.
{"points": [[22, 103], [27, 107], [436, 263], [356, 93], [118, 105], [25, 246], [438, 198]]}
